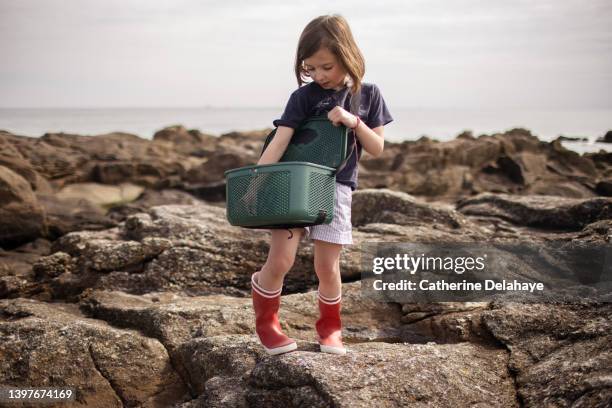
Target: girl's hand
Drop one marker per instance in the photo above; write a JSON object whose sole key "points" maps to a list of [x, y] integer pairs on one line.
{"points": [[340, 116]]}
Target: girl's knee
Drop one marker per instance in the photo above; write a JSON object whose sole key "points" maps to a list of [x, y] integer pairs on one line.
{"points": [[327, 270], [279, 265]]}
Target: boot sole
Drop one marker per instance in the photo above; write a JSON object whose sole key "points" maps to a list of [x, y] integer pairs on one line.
{"points": [[332, 349], [280, 350]]}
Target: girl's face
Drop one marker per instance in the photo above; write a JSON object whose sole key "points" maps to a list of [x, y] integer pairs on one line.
{"points": [[325, 69]]}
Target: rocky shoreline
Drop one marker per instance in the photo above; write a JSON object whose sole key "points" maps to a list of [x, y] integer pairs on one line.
{"points": [[120, 276]]}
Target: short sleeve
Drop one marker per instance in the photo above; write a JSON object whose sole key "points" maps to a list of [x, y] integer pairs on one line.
{"points": [[378, 114], [295, 111]]}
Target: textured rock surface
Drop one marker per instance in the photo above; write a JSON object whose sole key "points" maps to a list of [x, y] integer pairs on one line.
{"points": [[16, 275], [539, 211], [212, 352], [53, 345], [559, 353], [394, 207], [431, 375], [175, 319], [192, 248], [64, 215], [21, 216], [147, 304], [101, 195], [514, 162]]}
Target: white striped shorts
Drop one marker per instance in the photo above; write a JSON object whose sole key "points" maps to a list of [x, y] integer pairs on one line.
{"points": [[339, 231]]}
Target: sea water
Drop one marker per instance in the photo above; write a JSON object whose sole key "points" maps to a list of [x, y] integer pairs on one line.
{"points": [[409, 123]]}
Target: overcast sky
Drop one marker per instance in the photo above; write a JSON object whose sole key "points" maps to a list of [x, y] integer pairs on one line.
{"points": [[430, 53]]}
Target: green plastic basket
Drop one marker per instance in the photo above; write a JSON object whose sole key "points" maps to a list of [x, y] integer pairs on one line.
{"points": [[316, 141], [280, 195]]}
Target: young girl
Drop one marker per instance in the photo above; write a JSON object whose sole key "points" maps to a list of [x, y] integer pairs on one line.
{"points": [[329, 56]]}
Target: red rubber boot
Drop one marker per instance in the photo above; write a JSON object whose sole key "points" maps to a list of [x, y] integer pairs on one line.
{"points": [[266, 304], [329, 325]]}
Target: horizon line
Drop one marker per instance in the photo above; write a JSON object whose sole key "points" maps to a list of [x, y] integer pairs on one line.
{"points": [[281, 108]]}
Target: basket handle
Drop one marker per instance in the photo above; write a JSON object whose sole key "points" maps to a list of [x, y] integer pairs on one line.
{"points": [[355, 111], [348, 156], [267, 142]]}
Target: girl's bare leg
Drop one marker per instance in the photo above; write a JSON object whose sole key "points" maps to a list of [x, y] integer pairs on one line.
{"points": [[327, 268], [329, 325], [280, 258]]}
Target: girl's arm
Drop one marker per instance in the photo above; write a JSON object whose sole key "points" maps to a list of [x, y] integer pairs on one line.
{"points": [[277, 146], [372, 140]]}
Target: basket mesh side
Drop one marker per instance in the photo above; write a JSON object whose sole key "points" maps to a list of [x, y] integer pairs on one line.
{"points": [[321, 189], [318, 143], [258, 195]]}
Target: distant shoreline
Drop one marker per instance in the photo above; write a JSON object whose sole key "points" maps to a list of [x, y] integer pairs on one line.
{"points": [[410, 123]]}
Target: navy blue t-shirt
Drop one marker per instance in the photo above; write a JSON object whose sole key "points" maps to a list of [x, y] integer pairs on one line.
{"points": [[311, 100]]}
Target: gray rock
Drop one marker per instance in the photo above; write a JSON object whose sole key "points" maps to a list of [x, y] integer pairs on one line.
{"points": [[66, 215], [539, 211], [148, 199], [369, 375], [513, 162], [190, 248], [53, 345], [166, 289], [216, 363], [604, 187], [607, 138], [212, 344], [394, 207], [21, 216], [559, 353], [211, 338], [54, 265], [188, 142], [16, 275], [175, 319]]}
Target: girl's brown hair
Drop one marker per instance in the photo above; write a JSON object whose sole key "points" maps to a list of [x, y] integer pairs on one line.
{"points": [[334, 33]]}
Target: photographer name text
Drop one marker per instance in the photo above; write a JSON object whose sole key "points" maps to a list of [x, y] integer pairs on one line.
{"points": [[441, 285]]}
